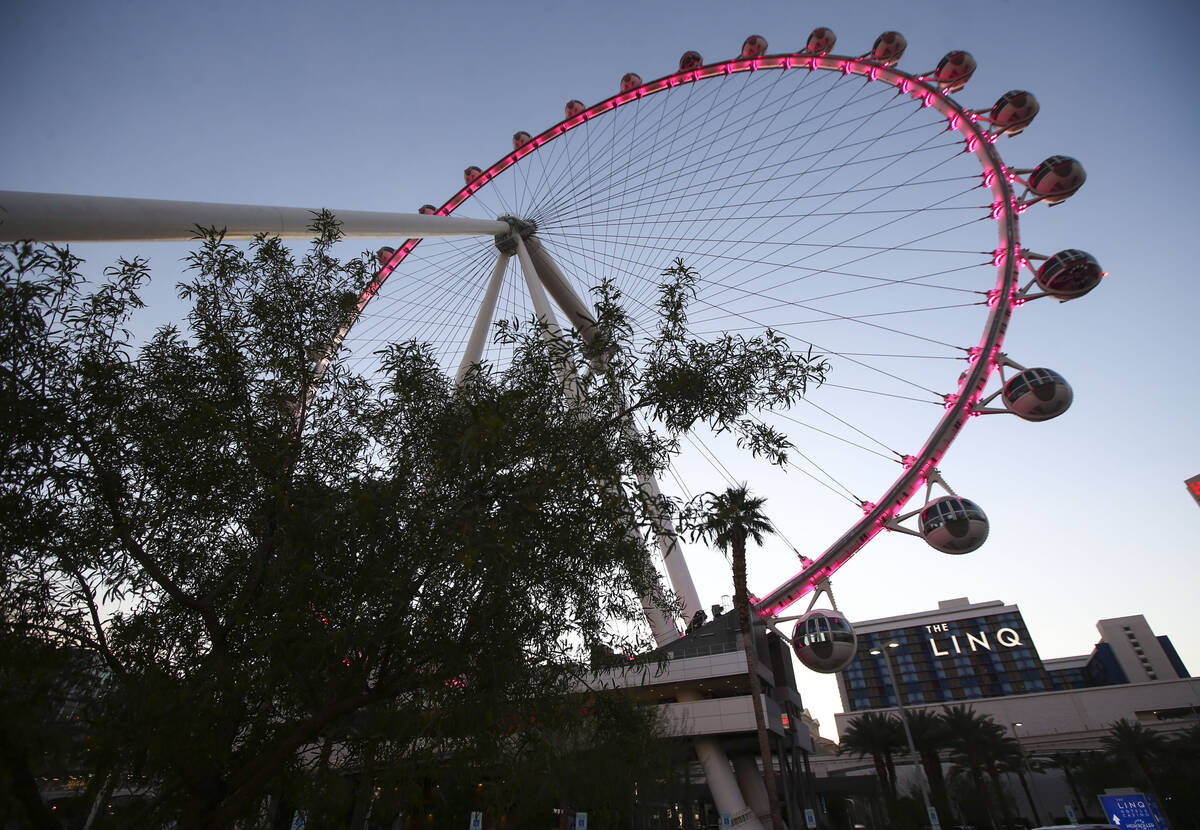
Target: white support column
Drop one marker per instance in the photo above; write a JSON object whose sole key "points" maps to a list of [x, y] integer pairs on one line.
{"points": [[662, 624], [483, 320], [541, 304], [750, 780], [552, 277], [668, 544], [722, 783], [581, 317], [59, 217], [724, 786]]}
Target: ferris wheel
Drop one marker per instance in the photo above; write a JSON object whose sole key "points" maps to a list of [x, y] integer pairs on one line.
{"points": [[851, 207]]}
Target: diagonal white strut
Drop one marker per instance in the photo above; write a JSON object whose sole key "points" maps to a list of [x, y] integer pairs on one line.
{"points": [[541, 305], [677, 570], [662, 624], [483, 320], [722, 782], [59, 217]]}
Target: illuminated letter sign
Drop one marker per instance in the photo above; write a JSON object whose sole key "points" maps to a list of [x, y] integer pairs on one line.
{"points": [[971, 642], [1012, 640]]}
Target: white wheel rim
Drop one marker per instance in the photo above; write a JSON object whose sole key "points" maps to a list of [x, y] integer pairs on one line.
{"points": [[552, 178]]}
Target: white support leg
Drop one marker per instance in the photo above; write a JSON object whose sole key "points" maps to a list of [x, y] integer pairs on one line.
{"points": [[720, 776], [672, 554], [552, 277], [483, 320], [724, 786], [541, 304], [722, 783], [581, 317], [662, 624], [750, 779]]}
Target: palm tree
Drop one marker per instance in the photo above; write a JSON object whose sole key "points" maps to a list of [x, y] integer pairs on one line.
{"points": [[1001, 753], [1180, 770], [876, 734], [980, 745], [1070, 763], [729, 520], [930, 737], [1138, 748]]}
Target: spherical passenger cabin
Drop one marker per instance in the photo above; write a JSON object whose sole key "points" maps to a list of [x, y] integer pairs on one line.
{"points": [[690, 60], [824, 641], [953, 525], [1037, 394], [1014, 111], [1069, 274], [954, 70], [1056, 178], [754, 46], [630, 80], [471, 173], [889, 47], [520, 139], [574, 107], [821, 41], [427, 209]]}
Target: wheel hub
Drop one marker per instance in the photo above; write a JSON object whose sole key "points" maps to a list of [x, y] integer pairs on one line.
{"points": [[507, 242]]}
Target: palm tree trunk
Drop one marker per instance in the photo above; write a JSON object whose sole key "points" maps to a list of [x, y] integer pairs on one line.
{"points": [[981, 786], [1001, 795], [1067, 763], [932, 762], [741, 599], [1028, 793]]}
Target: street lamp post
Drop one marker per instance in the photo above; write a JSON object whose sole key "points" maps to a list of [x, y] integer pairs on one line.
{"points": [[1021, 767], [912, 747]]}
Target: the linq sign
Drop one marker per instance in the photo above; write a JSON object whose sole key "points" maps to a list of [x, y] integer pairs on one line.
{"points": [[943, 643], [1133, 812]]}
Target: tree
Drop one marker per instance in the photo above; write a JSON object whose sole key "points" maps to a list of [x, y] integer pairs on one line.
{"points": [[1069, 763], [1179, 772], [1138, 748], [930, 738], [730, 520], [877, 735], [982, 746], [286, 583]]}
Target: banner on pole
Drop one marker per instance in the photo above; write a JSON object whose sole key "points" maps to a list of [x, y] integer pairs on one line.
{"points": [[1193, 485]]}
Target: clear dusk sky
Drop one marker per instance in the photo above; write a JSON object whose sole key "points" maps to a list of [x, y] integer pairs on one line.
{"points": [[379, 106]]}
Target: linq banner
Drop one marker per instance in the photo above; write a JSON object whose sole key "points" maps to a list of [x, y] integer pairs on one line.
{"points": [[1193, 485]]}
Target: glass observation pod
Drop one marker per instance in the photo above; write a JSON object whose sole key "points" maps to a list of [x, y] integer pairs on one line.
{"points": [[954, 525], [824, 641]]}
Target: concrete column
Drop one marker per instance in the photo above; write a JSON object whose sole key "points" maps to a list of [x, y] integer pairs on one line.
{"points": [[750, 780], [721, 780]]}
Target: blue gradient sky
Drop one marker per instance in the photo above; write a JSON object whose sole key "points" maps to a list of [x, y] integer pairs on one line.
{"points": [[373, 105]]}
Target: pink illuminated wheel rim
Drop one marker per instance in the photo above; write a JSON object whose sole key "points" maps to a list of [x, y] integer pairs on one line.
{"points": [[846, 205]]}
